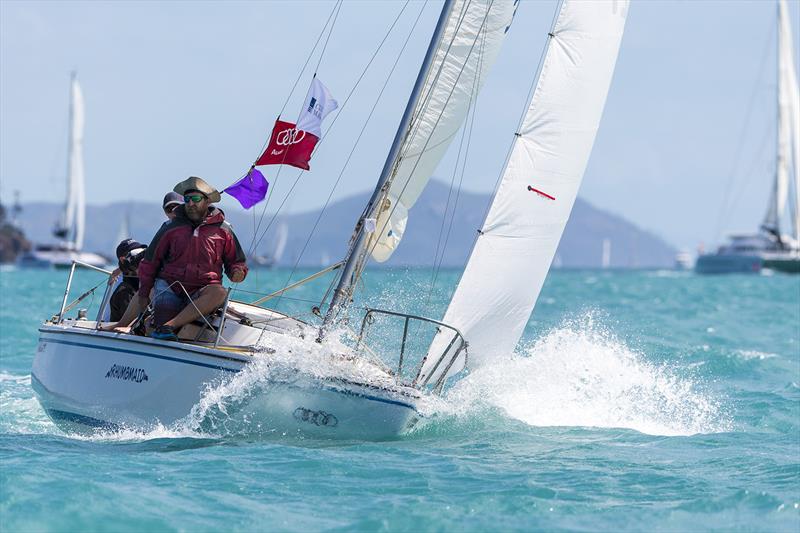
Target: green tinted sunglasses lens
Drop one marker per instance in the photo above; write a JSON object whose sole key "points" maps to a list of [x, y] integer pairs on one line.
{"points": [[196, 198]]}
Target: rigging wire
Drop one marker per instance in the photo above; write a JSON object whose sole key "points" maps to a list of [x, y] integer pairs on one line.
{"points": [[733, 177], [338, 8], [253, 245], [474, 95], [341, 109], [438, 119], [361, 133]]}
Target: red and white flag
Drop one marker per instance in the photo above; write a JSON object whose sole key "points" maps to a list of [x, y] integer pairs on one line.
{"points": [[288, 146]]}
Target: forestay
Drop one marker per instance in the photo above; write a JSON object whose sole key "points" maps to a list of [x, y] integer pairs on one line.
{"points": [[473, 34], [516, 245]]}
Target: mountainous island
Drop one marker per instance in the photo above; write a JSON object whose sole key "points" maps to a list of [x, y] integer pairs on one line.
{"points": [[581, 245]]}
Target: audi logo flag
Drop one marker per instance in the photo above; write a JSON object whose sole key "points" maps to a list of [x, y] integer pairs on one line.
{"points": [[292, 144], [288, 146]]}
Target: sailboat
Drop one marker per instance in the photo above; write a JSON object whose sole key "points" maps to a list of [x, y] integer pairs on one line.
{"points": [[770, 247], [319, 381], [70, 229], [271, 260]]}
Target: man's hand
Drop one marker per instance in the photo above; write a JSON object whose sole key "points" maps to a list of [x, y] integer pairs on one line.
{"points": [[114, 276], [237, 276]]}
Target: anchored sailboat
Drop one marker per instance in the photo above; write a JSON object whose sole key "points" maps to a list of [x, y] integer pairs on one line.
{"points": [[770, 247], [70, 229], [366, 389]]}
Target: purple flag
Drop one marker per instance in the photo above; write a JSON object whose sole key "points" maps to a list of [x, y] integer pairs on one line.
{"points": [[249, 190]]}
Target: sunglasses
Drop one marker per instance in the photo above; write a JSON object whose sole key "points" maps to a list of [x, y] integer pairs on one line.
{"points": [[170, 208], [196, 198]]}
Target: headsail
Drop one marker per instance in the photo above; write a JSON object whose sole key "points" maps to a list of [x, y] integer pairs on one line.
{"points": [[463, 27], [519, 237], [472, 38]]}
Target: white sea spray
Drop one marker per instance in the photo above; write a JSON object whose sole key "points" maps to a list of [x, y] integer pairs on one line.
{"points": [[579, 374]]}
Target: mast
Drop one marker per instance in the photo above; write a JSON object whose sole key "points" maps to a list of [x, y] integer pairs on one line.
{"points": [[356, 257]]}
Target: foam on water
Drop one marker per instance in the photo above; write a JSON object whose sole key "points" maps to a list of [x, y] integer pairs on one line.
{"points": [[283, 359], [579, 374]]}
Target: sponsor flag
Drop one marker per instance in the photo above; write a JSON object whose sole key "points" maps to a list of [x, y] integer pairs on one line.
{"points": [[249, 190], [288, 146], [319, 102]]}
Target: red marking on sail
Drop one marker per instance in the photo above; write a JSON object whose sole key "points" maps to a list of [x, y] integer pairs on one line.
{"points": [[541, 193]]}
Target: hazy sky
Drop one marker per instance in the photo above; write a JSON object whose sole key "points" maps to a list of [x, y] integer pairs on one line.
{"points": [[192, 88]]}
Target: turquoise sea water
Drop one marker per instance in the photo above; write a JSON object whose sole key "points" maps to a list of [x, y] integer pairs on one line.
{"points": [[636, 401]]}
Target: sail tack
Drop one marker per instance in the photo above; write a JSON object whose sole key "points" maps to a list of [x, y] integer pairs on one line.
{"points": [[472, 38], [532, 204]]}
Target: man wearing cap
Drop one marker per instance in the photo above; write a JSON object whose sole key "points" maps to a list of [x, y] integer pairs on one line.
{"points": [[171, 202], [186, 258], [129, 253]]}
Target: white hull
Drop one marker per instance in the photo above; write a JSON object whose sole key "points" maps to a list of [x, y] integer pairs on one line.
{"points": [[86, 378]]}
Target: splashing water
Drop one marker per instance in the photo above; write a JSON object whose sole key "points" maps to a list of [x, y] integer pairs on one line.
{"points": [[284, 359], [580, 375]]}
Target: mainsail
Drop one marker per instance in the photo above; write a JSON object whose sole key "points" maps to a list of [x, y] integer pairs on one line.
{"points": [[71, 229], [532, 204], [469, 46]]}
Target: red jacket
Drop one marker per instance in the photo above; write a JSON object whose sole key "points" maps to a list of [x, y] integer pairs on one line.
{"points": [[192, 254]]}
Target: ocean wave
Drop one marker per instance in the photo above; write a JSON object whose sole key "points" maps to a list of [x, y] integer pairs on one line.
{"points": [[579, 374]]}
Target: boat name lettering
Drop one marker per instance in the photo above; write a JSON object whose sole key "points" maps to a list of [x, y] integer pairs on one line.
{"points": [[318, 418], [127, 373]]}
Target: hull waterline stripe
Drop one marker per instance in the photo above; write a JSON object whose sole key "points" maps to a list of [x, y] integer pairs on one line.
{"points": [[176, 360], [145, 354], [67, 416]]}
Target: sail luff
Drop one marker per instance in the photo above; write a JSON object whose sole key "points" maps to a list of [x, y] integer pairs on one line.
{"points": [[461, 65], [514, 249]]}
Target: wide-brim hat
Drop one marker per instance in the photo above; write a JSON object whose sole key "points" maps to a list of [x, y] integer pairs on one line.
{"points": [[198, 184]]}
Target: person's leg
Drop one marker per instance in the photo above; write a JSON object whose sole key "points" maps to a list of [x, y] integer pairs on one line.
{"points": [[166, 304], [208, 299]]}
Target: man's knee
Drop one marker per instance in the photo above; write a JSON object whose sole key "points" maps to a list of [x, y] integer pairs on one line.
{"points": [[216, 293]]}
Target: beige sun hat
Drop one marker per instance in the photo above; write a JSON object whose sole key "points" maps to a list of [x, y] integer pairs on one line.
{"points": [[198, 184]]}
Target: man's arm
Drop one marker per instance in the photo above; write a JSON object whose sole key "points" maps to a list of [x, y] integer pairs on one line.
{"points": [[154, 257], [234, 259]]}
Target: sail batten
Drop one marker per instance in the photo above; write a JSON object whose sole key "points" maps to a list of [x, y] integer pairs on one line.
{"points": [[534, 198]]}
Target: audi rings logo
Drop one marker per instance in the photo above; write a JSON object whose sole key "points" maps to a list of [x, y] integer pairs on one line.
{"points": [[318, 418], [290, 136]]}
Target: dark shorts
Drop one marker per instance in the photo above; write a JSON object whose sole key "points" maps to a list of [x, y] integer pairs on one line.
{"points": [[167, 304]]}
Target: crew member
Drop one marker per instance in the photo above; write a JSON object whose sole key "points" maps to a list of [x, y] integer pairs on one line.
{"points": [[185, 261]]}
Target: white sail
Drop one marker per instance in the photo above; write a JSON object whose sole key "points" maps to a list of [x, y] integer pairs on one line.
{"points": [[72, 225], [788, 121], [474, 32], [280, 243], [516, 245]]}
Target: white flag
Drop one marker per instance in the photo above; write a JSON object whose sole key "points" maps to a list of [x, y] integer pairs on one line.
{"points": [[319, 102]]}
